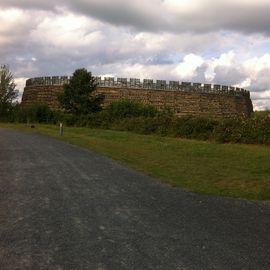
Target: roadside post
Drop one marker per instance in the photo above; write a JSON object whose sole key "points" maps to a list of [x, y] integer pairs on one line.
{"points": [[61, 130]]}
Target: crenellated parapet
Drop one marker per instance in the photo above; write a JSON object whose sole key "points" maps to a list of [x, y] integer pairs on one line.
{"points": [[54, 80], [134, 83], [183, 98]]}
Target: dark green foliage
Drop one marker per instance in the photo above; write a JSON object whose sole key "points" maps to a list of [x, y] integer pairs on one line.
{"points": [[166, 112], [132, 116], [95, 120], [244, 130], [77, 98], [8, 93], [37, 113], [194, 127], [127, 108], [141, 125], [185, 127], [261, 114]]}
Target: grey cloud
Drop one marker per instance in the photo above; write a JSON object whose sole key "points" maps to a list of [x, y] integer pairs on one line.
{"points": [[153, 16], [224, 75], [118, 12], [14, 41], [260, 95], [261, 105], [28, 4], [200, 74], [262, 81], [238, 17], [229, 75], [146, 16]]}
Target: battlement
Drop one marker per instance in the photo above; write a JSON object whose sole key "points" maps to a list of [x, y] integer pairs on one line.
{"points": [[134, 83]]}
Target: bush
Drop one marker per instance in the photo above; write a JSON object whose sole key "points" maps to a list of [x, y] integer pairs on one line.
{"points": [[94, 120], [68, 119], [127, 108], [40, 113], [194, 127], [37, 113], [244, 130], [135, 117], [143, 125]]}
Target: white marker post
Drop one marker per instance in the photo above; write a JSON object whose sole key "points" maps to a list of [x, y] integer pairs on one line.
{"points": [[61, 130]]}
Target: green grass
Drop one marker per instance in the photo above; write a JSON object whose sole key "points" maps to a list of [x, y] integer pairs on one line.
{"points": [[233, 170]]}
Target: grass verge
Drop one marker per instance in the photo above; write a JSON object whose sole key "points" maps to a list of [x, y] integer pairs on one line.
{"points": [[241, 171]]}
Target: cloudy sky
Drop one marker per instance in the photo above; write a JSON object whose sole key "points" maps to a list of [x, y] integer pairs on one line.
{"points": [[208, 41]]}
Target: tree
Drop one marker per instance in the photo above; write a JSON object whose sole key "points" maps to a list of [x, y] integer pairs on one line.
{"points": [[78, 95], [8, 93]]}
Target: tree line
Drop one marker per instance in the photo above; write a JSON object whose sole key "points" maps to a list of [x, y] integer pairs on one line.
{"points": [[80, 106]]}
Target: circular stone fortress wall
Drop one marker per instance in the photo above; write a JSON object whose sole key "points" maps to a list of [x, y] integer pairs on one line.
{"points": [[183, 98]]}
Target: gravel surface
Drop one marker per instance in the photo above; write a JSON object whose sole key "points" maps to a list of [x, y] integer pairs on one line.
{"points": [[62, 207]]}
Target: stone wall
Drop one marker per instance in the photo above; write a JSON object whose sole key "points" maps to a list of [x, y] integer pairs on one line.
{"points": [[183, 98]]}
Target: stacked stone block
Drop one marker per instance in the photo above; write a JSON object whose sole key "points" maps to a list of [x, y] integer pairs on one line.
{"points": [[184, 98]]}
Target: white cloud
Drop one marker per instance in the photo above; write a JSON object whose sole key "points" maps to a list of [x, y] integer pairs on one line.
{"points": [[188, 68], [20, 84], [256, 64], [261, 100], [262, 95], [15, 26], [67, 32], [225, 60]]}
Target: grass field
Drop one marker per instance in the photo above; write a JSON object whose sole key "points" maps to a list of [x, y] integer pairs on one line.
{"points": [[241, 171]]}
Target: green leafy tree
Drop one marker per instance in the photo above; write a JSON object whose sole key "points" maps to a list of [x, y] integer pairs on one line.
{"points": [[78, 97], [8, 93]]}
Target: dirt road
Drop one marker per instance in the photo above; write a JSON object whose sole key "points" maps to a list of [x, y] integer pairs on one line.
{"points": [[62, 207]]}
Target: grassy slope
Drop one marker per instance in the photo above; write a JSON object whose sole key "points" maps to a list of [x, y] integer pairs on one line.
{"points": [[221, 169]]}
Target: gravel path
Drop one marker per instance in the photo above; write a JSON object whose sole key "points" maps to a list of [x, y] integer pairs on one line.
{"points": [[62, 207]]}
